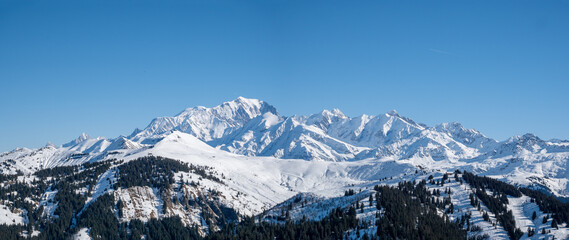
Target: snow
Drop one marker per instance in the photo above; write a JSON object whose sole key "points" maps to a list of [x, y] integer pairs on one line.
{"points": [[523, 208], [82, 234], [48, 203], [104, 185], [11, 218], [140, 203], [461, 201]]}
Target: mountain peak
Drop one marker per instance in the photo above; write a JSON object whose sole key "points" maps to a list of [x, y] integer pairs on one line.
{"points": [[83, 137], [393, 113], [324, 118], [530, 136], [526, 140], [122, 142], [334, 113], [450, 126], [527, 136], [246, 101], [249, 106], [79, 139], [209, 123], [50, 145]]}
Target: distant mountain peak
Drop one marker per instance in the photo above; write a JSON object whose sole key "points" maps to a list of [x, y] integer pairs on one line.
{"points": [[50, 145], [122, 143], [83, 137], [524, 138], [78, 140], [530, 136], [453, 127], [337, 111], [209, 123], [249, 106], [393, 113], [332, 114], [250, 101], [136, 131]]}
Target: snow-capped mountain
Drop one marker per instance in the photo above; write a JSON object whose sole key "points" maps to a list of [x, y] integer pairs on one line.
{"points": [[253, 127], [207, 123], [255, 159]]}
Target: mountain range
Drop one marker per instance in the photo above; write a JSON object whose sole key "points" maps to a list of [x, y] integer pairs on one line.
{"points": [[257, 160], [251, 127]]}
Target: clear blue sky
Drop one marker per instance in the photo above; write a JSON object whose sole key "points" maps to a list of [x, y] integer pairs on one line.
{"points": [[107, 67]]}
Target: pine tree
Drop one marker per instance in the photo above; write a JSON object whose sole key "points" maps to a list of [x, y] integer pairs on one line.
{"points": [[554, 224]]}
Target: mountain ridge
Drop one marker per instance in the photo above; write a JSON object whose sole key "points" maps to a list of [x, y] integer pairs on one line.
{"points": [[207, 167], [252, 127]]}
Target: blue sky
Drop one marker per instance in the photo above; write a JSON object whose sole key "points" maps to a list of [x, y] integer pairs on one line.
{"points": [[107, 67]]}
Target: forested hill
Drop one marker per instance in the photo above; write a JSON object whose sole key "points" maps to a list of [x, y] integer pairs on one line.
{"points": [[153, 197]]}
